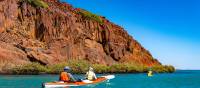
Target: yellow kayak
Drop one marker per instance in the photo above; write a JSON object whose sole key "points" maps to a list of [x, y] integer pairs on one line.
{"points": [[150, 74]]}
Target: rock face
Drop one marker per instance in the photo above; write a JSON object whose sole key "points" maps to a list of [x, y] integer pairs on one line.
{"points": [[58, 33]]}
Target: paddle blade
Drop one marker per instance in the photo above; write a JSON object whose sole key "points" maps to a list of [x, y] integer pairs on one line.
{"points": [[109, 76]]}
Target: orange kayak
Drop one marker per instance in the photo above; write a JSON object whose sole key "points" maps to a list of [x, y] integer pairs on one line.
{"points": [[82, 83]]}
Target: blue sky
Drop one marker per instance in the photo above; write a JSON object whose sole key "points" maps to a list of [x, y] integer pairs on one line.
{"points": [[169, 29]]}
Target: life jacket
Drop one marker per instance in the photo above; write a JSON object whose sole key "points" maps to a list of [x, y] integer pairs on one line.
{"points": [[64, 76], [90, 75]]}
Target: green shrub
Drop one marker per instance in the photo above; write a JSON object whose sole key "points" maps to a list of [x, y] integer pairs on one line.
{"points": [[90, 16], [118, 68], [128, 68], [162, 69], [56, 68], [78, 66], [170, 68], [99, 68], [36, 3], [131, 68], [32, 68]]}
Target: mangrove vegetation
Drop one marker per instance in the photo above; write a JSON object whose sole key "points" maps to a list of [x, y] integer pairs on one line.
{"points": [[81, 66]]}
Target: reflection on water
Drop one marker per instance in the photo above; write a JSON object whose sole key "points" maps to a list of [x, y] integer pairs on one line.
{"points": [[106, 84]]}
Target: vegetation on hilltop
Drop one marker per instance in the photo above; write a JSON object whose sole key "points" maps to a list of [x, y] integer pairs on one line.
{"points": [[90, 16], [36, 3]]}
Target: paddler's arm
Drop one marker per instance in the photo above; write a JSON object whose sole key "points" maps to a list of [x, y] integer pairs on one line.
{"points": [[86, 75], [95, 77], [71, 77]]}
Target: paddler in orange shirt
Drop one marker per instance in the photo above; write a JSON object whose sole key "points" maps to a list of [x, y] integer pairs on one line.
{"points": [[65, 76]]}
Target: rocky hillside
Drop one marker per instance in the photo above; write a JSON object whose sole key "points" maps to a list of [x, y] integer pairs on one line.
{"points": [[49, 32]]}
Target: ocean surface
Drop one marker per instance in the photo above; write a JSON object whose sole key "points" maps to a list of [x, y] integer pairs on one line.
{"points": [[179, 79]]}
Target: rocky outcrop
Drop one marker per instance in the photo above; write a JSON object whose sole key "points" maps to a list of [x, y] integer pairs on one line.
{"points": [[59, 32], [11, 56]]}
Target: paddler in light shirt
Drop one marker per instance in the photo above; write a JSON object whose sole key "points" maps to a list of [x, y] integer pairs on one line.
{"points": [[90, 75]]}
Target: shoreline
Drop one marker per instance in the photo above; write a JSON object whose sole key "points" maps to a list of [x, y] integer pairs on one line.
{"points": [[42, 73], [177, 70], [84, 74]]}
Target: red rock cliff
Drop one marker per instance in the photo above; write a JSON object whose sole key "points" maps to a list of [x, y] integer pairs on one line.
{"points": [[59, 32]]}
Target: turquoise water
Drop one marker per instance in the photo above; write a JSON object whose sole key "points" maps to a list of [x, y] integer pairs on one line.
{"points": [[179, 79]]}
